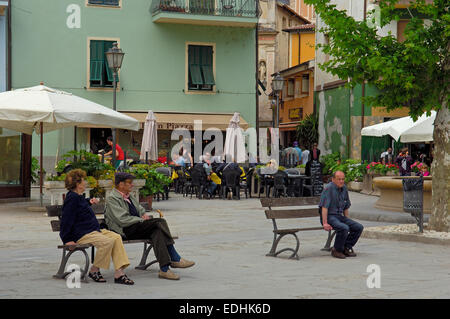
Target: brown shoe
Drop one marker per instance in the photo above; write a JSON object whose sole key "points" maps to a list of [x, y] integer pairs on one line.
{"points": [[337, 254], [349, 252], [168, 275], [183, 263]]}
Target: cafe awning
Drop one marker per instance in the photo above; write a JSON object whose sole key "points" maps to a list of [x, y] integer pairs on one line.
{"points": [[171, 121]]}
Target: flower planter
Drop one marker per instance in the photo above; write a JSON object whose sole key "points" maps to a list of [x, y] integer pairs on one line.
{"points": [[54, 184], [139, 183], [149, 201], [355, 186], [391, 193], [302, 170], [105, 183], [57, 191], [367, 187]]}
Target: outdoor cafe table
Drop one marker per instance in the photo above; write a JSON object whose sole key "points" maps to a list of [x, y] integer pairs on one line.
{"points": [[295, 184]]}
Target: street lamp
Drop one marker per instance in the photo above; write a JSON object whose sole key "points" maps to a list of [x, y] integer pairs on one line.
{"points": [[114, 57], [277, 86]]}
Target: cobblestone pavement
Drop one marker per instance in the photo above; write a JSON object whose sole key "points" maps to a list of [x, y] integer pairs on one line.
{"points": [[228, 240]]}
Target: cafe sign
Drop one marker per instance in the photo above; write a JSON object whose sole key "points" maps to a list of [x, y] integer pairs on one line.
{"points": [[296, 113], [173, 126]]}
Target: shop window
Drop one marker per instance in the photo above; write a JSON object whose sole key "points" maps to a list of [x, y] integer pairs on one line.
{"points": [[305, 84], [100, 73], [10, 157], [291, 87], [200, 68]]}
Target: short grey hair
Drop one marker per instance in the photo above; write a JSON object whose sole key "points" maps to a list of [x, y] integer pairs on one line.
{"points": [[334, 174]]}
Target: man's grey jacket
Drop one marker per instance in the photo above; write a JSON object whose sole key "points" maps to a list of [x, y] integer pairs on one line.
{"points": [[117, 213]]}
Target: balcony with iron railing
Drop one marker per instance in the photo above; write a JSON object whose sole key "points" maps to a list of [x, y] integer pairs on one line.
{"points": [[241, 13]]}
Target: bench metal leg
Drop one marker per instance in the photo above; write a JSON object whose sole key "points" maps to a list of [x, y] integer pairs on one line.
{"points": [[143, 265], [327, 246], [61, 274], [274, 253]]}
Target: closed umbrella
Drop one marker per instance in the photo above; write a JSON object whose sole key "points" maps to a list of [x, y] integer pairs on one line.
{"points": [[149, 146], [234, 140], [42, 109]]}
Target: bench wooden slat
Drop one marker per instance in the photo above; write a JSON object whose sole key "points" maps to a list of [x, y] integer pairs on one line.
{"points": [[294, 230], [84, 246], [292, 213], [290, 201]]}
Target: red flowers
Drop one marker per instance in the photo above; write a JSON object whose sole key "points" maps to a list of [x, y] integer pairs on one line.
{"points": [[162, 160], [377, 167]]}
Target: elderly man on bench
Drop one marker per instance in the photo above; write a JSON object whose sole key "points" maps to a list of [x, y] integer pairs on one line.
{"points": [[127, 217], [334, 204]]}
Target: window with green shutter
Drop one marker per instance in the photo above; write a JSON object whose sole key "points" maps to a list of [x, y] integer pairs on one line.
{"points": [[100, 73], [201, 74]]}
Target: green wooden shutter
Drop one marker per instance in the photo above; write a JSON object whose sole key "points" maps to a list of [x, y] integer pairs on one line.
{"points": [[109, 72], [207, 65], [194, 65], [97, 60]]}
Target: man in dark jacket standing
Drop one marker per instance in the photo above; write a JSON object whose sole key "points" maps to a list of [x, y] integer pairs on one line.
{"points": [[334, 204]]}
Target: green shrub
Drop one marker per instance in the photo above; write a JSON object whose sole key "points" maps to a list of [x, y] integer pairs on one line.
{"points": [[154, 181]]}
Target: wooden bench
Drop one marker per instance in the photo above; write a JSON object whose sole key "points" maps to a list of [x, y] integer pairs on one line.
{"points": [[275, 214], [68, 250]]}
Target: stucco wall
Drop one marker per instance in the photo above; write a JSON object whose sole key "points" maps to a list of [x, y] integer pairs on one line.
{"points": [[3, 51], [153, 71]]}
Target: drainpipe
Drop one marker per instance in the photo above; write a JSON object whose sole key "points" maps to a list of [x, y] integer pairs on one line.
{"points": [[256, 78], [8, 59], [363, 87]]}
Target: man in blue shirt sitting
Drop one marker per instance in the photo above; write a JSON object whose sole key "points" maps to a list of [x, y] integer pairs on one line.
{"points": [[334, 205]]}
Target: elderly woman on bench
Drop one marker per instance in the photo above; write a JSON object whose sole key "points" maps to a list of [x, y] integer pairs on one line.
{"points": [[80, 226]]}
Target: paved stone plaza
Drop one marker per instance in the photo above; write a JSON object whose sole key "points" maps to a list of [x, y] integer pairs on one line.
{"points": [[228, 240]]}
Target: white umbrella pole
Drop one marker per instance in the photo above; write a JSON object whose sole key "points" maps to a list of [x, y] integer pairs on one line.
{"points": [[41, 195]]}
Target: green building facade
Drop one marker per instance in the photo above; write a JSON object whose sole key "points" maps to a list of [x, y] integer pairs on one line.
{"points": [[182, 59]]}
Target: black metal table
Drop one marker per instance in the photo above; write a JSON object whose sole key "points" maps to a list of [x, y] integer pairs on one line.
{"points": [[295, 184]]}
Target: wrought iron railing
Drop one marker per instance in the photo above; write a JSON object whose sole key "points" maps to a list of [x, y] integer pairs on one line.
{"points": [[230, 8]]}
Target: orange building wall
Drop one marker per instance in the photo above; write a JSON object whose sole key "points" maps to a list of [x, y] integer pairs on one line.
{"points": [[307, 43], [307, 51], [307, 102], [294, 49]]}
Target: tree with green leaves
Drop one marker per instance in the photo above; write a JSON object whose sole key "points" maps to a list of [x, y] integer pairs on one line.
{"points": [[308, 131], [413, 72]]}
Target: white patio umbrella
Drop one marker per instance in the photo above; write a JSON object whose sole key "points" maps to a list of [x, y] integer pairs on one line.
{"points": [[43, 109], [234, 140], [150, 138], [394, 128], [421, 131]]}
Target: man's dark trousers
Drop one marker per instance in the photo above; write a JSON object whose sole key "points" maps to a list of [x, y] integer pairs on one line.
{"points": [[157, 230], [347, 231]]}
